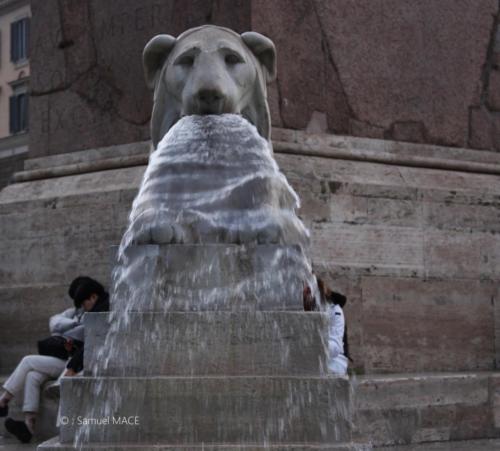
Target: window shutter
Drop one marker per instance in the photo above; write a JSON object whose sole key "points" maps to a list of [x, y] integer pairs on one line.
{"points": [[22, 39], [27, 112], [12, 114], [28, 22], [23, 112], [13, 41], [17, 40]]}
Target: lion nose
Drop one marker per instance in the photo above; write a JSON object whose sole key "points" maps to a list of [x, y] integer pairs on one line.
{"points": [[210, 100]]}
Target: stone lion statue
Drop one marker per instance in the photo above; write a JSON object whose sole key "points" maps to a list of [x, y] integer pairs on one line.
{"points": [[209, 70], [212, 180], [212, 177]]}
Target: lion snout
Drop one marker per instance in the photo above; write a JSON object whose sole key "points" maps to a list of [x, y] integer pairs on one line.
{"points": [[210, 101]]}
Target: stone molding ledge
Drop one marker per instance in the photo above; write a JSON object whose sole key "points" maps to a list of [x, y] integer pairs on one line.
{"points": [[285, 141]]}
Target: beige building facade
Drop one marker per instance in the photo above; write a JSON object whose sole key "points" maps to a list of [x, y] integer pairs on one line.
{"points": [[14, 64], [15, 18]]}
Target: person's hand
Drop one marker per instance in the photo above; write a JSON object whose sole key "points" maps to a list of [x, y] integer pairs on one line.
{"points": [[307, 298], [68, 344], [69, 372]]}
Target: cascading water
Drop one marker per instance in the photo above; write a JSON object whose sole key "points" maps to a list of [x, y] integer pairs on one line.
{"points": [[213, 179], [213, 229]]}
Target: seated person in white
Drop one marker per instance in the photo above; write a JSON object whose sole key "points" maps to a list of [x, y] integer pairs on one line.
{"points": [[337, 336], [332, 303]]}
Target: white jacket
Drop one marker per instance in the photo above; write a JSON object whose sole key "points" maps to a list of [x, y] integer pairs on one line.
{"points": [[337, 361], [62, 322]]}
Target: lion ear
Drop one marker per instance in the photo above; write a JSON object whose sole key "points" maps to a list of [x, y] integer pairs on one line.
{"points": [[154, 55], [263, 48]]}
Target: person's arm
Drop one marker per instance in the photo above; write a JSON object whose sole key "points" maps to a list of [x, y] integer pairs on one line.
{"points": [[75, 364], [308, 299], [61, 322]]}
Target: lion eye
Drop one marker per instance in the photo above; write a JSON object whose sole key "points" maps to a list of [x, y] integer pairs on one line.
{"points": [[232, 58], [185, 60]]}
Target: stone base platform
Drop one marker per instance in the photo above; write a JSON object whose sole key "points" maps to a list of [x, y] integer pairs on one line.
{"points": [[206, 410], [54, 445], [409, 412], [465, 445]]}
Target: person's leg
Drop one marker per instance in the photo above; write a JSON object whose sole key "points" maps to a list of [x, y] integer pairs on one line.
{"points": [[15, 383], [51, 366], [33, 370], [338, 365], [5, 398], [30, 420], [34, 381]]}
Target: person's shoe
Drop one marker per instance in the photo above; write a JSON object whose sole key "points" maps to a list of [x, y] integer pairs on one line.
{"points": [[4, 411], [19, 430]]}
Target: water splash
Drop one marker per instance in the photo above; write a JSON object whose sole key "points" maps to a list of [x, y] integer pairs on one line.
{"points": [[213, 179], [214, 229]]}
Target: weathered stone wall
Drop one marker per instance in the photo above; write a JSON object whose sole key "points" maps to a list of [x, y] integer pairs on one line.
{"points": [[416, 250], [425, 71], [8, 166], [403, 409], [13, 152]]}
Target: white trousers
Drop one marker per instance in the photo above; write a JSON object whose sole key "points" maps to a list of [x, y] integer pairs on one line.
{"points": [[30, 374], [338, 365]]}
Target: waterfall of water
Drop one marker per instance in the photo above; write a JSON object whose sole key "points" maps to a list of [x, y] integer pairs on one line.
{"points": [[213, 257]]}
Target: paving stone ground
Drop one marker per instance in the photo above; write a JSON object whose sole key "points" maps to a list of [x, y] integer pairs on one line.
{"points": [[11, 444], [466, 445], [8, 443]]}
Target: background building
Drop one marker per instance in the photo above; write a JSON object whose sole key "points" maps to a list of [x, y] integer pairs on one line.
{"points": [[14, 85]]}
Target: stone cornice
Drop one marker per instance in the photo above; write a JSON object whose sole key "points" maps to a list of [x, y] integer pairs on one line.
{"points": [[284, 142]]}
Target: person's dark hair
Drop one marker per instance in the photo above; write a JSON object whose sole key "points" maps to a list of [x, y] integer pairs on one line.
{"points": [[86, 288], [73, 286], [337, 298]]}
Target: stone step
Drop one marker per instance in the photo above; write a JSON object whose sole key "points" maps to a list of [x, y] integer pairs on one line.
{"points": [[201, 277], [55, 445], [10, 443], [415, 408], [407, 411], [464, 445], [207, 343], [191, 410]]}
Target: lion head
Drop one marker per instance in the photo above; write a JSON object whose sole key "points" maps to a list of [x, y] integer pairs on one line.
{"points": [[209, 70]]}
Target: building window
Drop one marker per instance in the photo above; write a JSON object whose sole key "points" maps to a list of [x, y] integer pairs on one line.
{"points": [[19, 40], [18, 109]]}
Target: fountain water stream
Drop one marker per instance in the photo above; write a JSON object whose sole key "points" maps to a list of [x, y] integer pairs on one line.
{"points": [[207, 346]]}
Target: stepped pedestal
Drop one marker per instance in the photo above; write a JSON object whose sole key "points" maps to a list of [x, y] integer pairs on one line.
{"points": [[211, 344], [241, 376], [211, 277]]}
